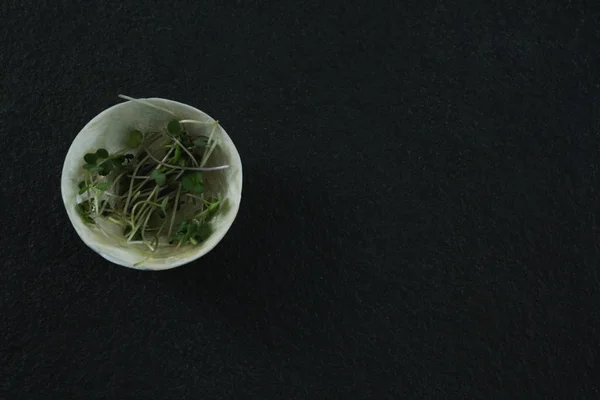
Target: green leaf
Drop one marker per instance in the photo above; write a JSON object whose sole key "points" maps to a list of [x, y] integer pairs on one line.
{"points": [[93, 168], [102, 185], [90, 158], [102, 153], [199, 188], [81, 184], [192, 181], [134, 139], [212, 209], [177, 155], [117, 162], [85, 206], [187, 182], [202, 141], [185, 139], [174, 128], [192, 232], [83, 209], [106, 167], [159, 177], [203, 231], [83, 190]]}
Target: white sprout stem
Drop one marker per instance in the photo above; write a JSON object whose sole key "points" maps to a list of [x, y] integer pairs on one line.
{"points": [[135, 228], [143, 260], [141, 185], [213, 144], [174, 210], [208, 153], [193, 121], [194, 196], [149, 244], [179, 175], [159, 231], [116, 221], [149, 200], [110, 190], [131, 185], [187, 168], [212, 133], [147, 103]]}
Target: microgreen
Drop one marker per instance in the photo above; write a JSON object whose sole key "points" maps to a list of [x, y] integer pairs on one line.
{"points": [[90, 158], [177, 156], [159, 177], [134, 139], [213, 207], [93, 167], [158, 195], [102, 153], [192, 232], [201, 142], [174, 128], [192, 181]]}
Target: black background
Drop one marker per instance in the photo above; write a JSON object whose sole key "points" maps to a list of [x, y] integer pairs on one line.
{"points": [[419, 214]]}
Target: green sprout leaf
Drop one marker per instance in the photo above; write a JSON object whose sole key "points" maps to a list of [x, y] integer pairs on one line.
{"points": [[116, 163], [90, 158], [177, 155], [185, 139], [93, 167], [134, 139], [82, 187], [84, 209], [192, 232], [201, 142], [159, 177], [212, 209], [192, 181], [202, 232], [187, 182], [105, 168], [102, 186], [102, 153], [174, 128]]}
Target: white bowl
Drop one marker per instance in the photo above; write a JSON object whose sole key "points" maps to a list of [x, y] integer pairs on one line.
{"points": [[108, 130]]}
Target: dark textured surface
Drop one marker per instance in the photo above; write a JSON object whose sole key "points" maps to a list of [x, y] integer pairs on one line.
{"points": [[419, 216]]}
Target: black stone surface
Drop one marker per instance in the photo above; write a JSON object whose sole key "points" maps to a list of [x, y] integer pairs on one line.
{"points": [[419, 216]]}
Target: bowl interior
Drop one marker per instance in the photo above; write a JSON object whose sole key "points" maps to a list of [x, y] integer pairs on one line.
{"points": [[109, 130]]}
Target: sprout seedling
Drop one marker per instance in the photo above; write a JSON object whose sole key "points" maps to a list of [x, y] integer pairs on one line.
{"points": [[155, 188]]}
